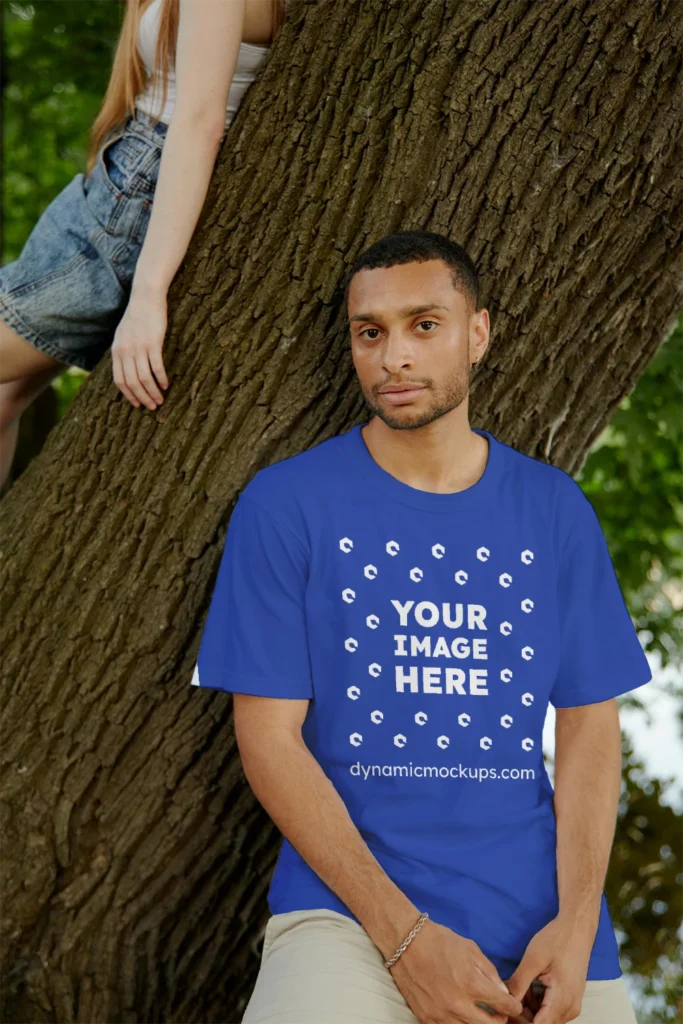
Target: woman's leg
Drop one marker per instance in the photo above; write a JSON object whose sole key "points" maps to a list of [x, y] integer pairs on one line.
{"points": [[25, 371], [20, 359]]}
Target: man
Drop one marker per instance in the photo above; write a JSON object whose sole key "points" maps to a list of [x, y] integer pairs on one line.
{"points": [[394, 610]]}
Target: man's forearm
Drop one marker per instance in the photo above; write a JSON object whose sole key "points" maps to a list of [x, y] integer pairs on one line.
{"points": [[302, 801], [587, 785]]}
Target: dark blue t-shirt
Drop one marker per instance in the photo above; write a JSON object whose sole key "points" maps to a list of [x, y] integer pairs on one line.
{"points": [[429, 631]]}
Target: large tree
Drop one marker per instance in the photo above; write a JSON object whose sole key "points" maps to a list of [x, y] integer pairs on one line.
{"points": [[545, 138]]}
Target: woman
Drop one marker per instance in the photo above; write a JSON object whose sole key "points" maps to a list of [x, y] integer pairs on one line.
{"points": [[96, 269]]}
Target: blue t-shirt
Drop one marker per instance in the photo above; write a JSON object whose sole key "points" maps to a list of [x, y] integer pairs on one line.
{"points": [[429, 631]]}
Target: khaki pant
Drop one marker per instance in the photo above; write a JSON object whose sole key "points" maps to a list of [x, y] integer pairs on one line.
{"points": [[327, 970]]}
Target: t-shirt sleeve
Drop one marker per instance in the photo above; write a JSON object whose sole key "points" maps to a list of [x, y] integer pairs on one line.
{"points": [[254, 639], [600, 653]]}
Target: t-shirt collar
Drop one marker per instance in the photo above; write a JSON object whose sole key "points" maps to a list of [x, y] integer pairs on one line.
{"points": [[373, 476]]}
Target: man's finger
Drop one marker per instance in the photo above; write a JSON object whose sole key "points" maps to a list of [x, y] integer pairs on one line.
{"points": [[553, 1007], [494, 997], [522, 1018], [527, 971]]}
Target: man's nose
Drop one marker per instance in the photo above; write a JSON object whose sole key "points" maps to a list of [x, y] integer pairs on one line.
{"points": [[396, 354]]}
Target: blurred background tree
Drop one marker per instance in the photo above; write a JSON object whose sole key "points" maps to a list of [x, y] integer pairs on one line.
{"points": [[49, 101], [56, 60]]}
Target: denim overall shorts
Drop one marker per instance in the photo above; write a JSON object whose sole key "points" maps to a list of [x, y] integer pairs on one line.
{"points": [[69, 287]]}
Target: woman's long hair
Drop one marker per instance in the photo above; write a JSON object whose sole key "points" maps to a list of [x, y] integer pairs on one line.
{"points": [[128, 76]]}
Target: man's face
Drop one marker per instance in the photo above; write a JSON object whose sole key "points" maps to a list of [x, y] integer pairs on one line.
{"points": [[408, 324]]}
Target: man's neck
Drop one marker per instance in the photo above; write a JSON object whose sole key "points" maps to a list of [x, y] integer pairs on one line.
{"points": [[443, 456]]}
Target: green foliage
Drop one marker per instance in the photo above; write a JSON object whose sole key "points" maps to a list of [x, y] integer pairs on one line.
{"points": [[644, 888], [643, 884], [634, 478], [58, 57], [50, 101], [67, 386]]}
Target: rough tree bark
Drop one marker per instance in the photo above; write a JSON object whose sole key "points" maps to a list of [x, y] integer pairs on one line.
{"points": [[545, 138]]}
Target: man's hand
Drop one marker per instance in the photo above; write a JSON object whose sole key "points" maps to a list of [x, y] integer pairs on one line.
{"points": [[445, 976], [558, 957], [136, 350]]}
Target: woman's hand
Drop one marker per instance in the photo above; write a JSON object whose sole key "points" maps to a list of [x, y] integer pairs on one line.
{"points": [[136, 349]]}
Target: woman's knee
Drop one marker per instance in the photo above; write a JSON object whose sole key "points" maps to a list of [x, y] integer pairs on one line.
{"points": [[17, 395], [20, 360]]}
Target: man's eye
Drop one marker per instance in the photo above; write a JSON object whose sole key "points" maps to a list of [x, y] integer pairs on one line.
{"points": [[376, 331]]}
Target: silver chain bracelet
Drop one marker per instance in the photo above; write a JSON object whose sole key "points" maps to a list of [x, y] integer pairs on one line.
{"points": [[408, 940]]}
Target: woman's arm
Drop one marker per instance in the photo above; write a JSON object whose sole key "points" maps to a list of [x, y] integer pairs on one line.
{"points": [[209, 36]]}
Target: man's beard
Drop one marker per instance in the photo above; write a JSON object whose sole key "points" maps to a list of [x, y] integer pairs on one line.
{"points": [[449, 396]]}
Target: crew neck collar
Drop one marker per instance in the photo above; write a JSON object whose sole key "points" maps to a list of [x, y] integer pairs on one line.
{"points": [[375, 477]]}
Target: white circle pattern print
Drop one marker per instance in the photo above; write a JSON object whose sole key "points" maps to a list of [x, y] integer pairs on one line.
{"points": [[452, 615]]}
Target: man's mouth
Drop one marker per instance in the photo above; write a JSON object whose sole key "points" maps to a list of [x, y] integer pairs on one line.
{"points": [[400, 394]]}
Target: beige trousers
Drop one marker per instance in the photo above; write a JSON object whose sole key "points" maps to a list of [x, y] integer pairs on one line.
{"points": [[321, 967]]}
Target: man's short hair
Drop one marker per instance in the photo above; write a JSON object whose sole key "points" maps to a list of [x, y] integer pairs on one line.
{"points": [[411, 246]]}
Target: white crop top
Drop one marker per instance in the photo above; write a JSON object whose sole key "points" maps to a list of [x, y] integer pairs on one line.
{"points": [[249, 57]]}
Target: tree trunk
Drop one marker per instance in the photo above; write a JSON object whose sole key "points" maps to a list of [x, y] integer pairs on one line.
{"points": [[3, 87], [543, 137]]}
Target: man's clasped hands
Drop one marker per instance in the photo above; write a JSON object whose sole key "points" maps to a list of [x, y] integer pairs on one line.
{"points": [[446, 979]]}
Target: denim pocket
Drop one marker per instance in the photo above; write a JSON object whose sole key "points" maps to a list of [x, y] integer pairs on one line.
{"points": [[119, 189], [130, 163], [112, 170], [100, 167]]}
